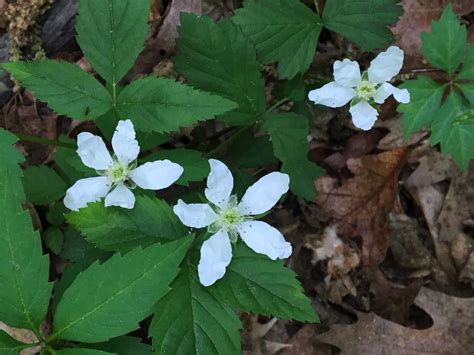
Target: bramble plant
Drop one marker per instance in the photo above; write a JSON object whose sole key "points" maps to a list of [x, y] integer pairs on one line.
{"points": [[189, 262]]}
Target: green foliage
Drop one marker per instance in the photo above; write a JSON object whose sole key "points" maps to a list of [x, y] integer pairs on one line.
{"points": [[250, 152], [467, 71], [54, 239], [43, 185], [68, 163], [8, 345], [111, 33], [190, 320], [56, 212], [150, 221], [125, 345], [284, 31], [24, 270], [365, 22], [218, 58], [108, 300], [445, 46], [289, 134], [81, 351], [254, 283], [66, 88], [76, 248]]}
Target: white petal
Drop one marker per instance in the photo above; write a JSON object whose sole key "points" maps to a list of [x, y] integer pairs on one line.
{"points": [[196, 215], [386, 65], [93, 151], [216, 254], [125, 145], [347, 73], [85, 191], [332, 95], [264, 194], [387, 89], [156, 175], [219, 183], [363, 115], [262, 238], [121, 196]]}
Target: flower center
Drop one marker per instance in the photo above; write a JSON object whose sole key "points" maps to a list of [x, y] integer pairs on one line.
{"points": [[117, 173], [366, 90], [229, 218]]}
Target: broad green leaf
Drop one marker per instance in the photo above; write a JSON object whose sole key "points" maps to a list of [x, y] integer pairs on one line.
{"points": [[444, 117], [76, 248], [189, 320], [126, 345], [196, 167], [253, 283], [445, 46], [467, 70], [293, 89], [80, 351], [10, 346], [250, 152], [164, 105], [425, 100], [54, 239], [218, 58], [468, 91], [108, 300], [289, 134], [150, 221], [365, 22], [68, 163], [24, 270], [65, 87], [111, 33], [283, 31], [43, 185], [56, 213]]}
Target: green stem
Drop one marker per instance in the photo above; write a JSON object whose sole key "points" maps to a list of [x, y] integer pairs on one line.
{"points": [[278, 104], [316, 5], [231, 139], [44, 141]]}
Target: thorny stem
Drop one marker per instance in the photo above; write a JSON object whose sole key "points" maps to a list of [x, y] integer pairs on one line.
{"points": [[44, 141]]}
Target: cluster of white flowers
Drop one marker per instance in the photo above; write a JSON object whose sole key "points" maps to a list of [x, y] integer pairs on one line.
{"points": [[224, 218], [363, 90]]}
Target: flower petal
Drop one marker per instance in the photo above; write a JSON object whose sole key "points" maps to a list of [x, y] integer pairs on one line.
{"points": [[347, 73], [196, 215], [216, 254], [363, 115], [85, 191], [262, 238], [220, 183], [125, 145], [93, 151], [156, 175], [264, 194], [121, 196], [387, 89], [386, 65], [332, 95]]}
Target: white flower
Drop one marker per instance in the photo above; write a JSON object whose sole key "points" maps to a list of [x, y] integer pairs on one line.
{"points": [[226, 220], [363, 90], [118, 174]]}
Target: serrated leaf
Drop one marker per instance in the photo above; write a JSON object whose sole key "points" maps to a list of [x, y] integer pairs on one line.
{"points": [[425, 100], [365, 22], [65, 87], [164, 105], [444, 117], [189, 320], [81, 351], [468, 91], [24, 270], [150, 221], [250, 152], [467, 70], [54, 239], [196, 167], [108, 300], [10, 346], [111, 34], [445, 46], [289, 134], [283, 31], [43, 185], [68, 163], [56, 213], [126, 345], [76, 248], [218, 58], [253, 283]]}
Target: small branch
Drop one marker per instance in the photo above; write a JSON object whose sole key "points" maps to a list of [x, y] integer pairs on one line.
{"points": [[278, 104]]}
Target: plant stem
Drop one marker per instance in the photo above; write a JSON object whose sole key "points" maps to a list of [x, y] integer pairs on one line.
{"points": [[316, 5], [231, 139], [278, 104], [44, 141]]}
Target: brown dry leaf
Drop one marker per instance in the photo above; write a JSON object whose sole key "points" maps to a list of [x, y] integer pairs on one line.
{"points": [[3, 15], [452, 331], [23, 335], [305, 343], [360, 205]]}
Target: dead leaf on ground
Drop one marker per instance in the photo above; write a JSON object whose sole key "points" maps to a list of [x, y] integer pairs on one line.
{"points": [[23, 335]]}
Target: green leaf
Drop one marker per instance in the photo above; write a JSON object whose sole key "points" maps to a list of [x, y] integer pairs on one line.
{"points": [[289, 134], [80, 351], [284, 31], [108, 300], [425, 100], [445, 46], [253, 283], [196, 167], [467, 70], [444, 117], [468, 91], [218, 58], [293, 89], [111, 33], [164, 105], [189, 320], [10, 346], [43, 185], [56, 213], [68, 163], [250, 152], [24, 270], [76, 248], [365, 22], [54, 239], [150, 221], [65, 87], [125, 345]]}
